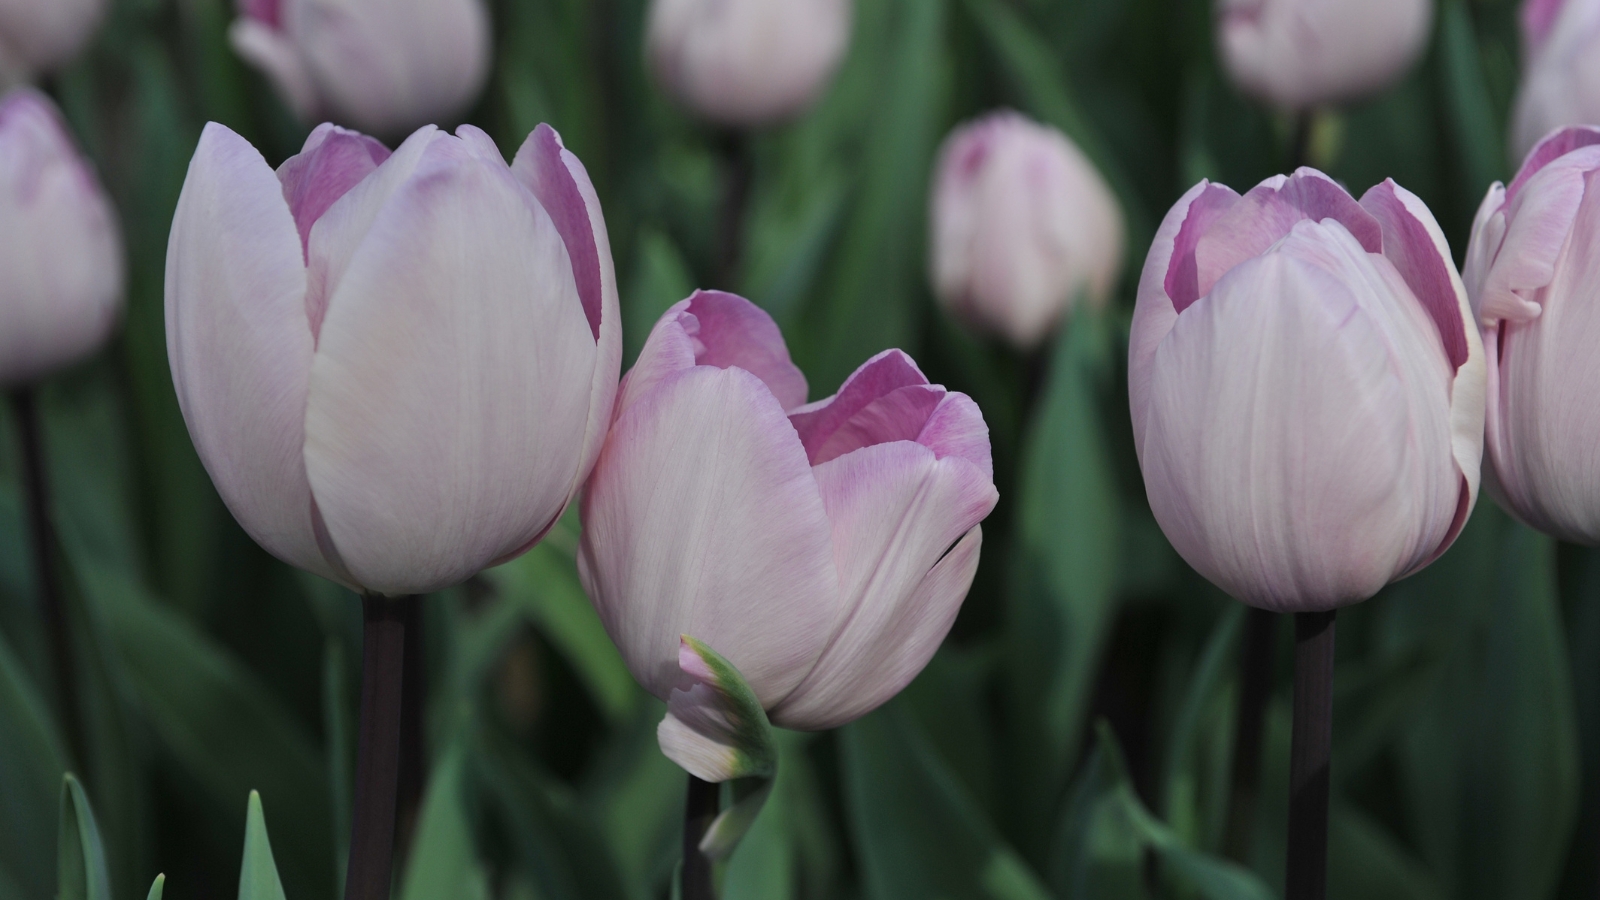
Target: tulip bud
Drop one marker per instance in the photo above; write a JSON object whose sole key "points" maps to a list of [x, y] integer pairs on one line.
{"points": [[1533, 273], [398, 369], [1022, 225], [822, 549], [384, 66], [747, 62], [43, 35], [1297, 54], [1307, 389], [1561, 70], [61, 259]]}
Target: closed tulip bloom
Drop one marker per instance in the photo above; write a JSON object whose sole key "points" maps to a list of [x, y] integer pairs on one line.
{"points": [[1561, 70], [60, 252], [398, 369], [1307, 389], [43, 35], [1022, 226], [747, 62], [1297, 54], [823, 549], [383, 66], [1533, 273]]}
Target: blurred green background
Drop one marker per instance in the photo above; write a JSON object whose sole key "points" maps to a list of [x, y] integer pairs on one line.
{"points": [[1071, 740]]}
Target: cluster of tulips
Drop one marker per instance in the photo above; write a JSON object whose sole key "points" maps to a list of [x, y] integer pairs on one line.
{"points": [[402, 367]]}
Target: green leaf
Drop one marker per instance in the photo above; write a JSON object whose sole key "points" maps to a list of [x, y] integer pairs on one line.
{"points": [[1478, 139], [32, 761], [157, 888], [1194, 795], [443, 861], [258, 874], [916, 831], [660, 279], [1366, 863], [80, 855]]}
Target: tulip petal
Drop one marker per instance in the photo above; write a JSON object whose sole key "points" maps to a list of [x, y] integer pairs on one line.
{"points": [[1551, 148], [333, 161], [899, 415], [1413, 242], [453, 369], [957, 428], [703, 517], [896, 510], [1539, 218], [886, 372], [715, 728], [273, 53], [239, 343], [554, 174]]}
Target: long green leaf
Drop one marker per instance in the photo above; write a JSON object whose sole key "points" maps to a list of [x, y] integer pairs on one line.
{"points": [[443, 861], [32, 761], [80, 855], [258, 873]]}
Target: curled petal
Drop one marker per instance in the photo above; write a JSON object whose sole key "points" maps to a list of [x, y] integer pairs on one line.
{"points": [[875, 378], [956, 428], [333, 161]]}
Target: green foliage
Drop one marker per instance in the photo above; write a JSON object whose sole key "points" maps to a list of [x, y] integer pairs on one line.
{"points": [[1467, 754]]}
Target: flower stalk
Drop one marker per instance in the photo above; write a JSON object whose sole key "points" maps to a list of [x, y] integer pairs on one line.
{"points": [[700, 809], [383, 652], [1309, 753]]}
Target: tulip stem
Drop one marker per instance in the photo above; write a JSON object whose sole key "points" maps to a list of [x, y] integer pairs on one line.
{"points": [[43, 540], [1255, 687], [1309, 754], [413, 775], [383, 650], [699, 810], [735, 146], [1300, 141]]}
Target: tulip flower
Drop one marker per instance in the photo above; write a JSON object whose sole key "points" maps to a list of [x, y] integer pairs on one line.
{"points": [[1022, 225], [398, 369], [1307, 389], [383, 66], [747, 62], [1561, 70], [61, 261], [43, 35], [1533, 272], [822, 549], [1297, 54]]}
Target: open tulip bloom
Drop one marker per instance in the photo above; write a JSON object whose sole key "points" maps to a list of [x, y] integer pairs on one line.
{"points": [[1307, 391], [398, 369], [739, 542], [1533, 270]]}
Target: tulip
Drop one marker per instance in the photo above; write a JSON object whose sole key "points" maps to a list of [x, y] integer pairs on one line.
{"points": [[1307, 392], [43, 35], [398, 369], [384, 66], [1297, 54], [61, 261], [823, 549], [747, 62], [1533, 272], [1022, 224], [1561, 77]]}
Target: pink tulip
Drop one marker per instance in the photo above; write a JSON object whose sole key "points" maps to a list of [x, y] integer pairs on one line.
{"points": [[43, 35], [823, 549], [1022, 225], [398, 369], [1307, 389], [1561, 69], [1297, 54], [384, 66], [61, 255], [1533, 273], [747, 62]]}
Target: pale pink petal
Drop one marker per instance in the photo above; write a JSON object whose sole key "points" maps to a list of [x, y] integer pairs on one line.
{"points": [[1166, 276], [896, 509], [731, 331], [451, 385], [239, 343], [899, 415], [956, 428], [269, 50], [1413, 242], [1488, 232], [555, 175], [333, 161], [1538, 220], [1554, 146], [668, 352], [1537, 18], [703, 517], [886, 372]]}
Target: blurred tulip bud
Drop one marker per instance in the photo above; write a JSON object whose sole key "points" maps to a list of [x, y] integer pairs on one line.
{"points": [[1307, 389], [43, 35], [1296, 54], [397, 369], [1561, 70], [384, 66], [1022, 225], [61, 255], [823, 549], [747, 62], [1533, 273]]}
